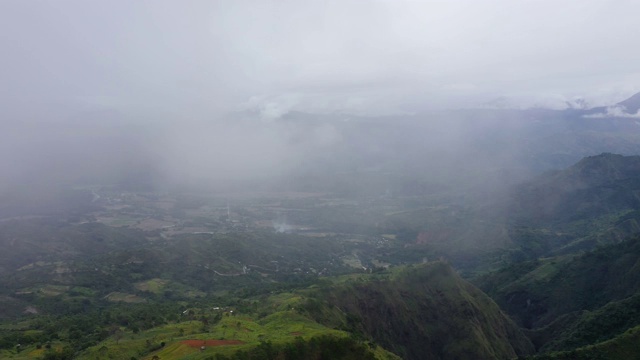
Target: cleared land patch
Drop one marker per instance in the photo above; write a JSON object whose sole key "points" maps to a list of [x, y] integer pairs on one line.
{"points": [[123, 297], [200, 343]]}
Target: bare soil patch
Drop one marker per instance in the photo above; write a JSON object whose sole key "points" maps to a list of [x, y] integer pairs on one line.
{"points": [[199, 343]]}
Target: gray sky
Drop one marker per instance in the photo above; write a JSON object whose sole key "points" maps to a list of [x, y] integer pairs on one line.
{"points": [[189, 58]]}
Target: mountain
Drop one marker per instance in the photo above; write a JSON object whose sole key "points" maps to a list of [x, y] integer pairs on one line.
{"points": [[538, 292], [361, 155], [592, 202], [572, 301], [417, 312], [90, 290], [338, 263], [578, 293], [494, 145], [625, 109], [594, 186], [428, 312], [624, 346], [632, 104]]}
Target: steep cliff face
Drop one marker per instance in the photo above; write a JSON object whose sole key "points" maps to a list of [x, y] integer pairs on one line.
{"points": [[428, 312]]}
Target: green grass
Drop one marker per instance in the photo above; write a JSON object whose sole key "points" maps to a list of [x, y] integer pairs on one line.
{"points": [[154, 286], [124, 297], [280, 327], [624, 346], [47, 290], [83, 291], [29, 352], [352, 261]]}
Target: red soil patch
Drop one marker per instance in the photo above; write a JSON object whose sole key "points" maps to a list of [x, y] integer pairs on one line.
{"points": [[296, 333], [199, 343]]}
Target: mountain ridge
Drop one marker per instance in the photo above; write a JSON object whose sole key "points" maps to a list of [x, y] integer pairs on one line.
{"points": [[631, 104], [428, 311]]}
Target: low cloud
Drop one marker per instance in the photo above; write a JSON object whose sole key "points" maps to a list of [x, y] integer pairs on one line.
{"points": [[614, 111]]}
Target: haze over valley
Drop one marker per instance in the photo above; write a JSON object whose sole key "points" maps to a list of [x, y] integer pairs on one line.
{"points": [[306, 180]]}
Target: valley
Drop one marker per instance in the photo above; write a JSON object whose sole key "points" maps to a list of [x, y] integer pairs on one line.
{"points": [[146, 275], [319, 180]]}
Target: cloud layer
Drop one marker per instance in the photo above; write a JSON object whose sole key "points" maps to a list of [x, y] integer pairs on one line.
{"points": [[195, 57]]}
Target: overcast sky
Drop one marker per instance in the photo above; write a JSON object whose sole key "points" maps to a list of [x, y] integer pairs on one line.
{"points": [[194, 57]]}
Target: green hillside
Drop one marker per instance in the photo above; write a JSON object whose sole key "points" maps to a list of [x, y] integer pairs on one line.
{"points": [[579, 229], [624, 346], [572, 301], [427, 312], [159, 275], [595, 201], [416, 312], [537, 292]]}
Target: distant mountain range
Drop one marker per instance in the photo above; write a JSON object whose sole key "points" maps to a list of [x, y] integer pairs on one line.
{"points": [[458, 148], [630, 105], [479, 149], [624, 109]]}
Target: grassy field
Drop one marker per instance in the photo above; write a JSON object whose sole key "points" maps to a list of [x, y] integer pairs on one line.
{"points": [[168, 341], [124, 297], [153, 286]]}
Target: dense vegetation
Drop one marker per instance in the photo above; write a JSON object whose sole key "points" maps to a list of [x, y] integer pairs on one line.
{"points": [[593, 202], [144, 275], [572, 298], [427, 311]]}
